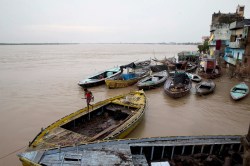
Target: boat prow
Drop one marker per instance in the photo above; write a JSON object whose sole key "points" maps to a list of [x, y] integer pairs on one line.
{"points": [[99, 78]]}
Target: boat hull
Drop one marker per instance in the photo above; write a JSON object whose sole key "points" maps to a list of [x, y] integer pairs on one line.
{"points": [[175, 93], [92, 84], [99, 78], [133, 151], [113, 84], [158, 68], [239, 91], [210, 75], [194, 77], [153, 81], [115, 118], [124, 80], [205, 87]]}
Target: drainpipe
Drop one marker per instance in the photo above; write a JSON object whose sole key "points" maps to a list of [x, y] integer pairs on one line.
{"points": [[245, 141]]}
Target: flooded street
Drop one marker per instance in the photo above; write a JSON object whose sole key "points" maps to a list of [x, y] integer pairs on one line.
{"points": [[38, 85]]}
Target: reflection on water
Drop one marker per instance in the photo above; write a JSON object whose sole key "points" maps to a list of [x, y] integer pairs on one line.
{"points": [[38, 85]]}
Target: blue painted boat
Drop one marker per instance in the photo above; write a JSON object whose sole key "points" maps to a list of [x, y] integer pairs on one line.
{"points": [[239, 91], [142, 151], [99, 78]]}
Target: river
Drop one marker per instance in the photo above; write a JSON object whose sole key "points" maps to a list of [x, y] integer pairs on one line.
{"points": [[38, 85]]}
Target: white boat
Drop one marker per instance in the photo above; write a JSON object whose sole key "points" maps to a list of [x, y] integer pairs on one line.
{"points": [[194, 77]]}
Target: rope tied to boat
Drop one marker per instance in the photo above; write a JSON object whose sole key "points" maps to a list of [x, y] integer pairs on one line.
{"points": [[6, 155]]}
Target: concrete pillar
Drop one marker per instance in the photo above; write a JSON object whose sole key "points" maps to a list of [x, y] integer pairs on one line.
{"points": [[245, 140]]}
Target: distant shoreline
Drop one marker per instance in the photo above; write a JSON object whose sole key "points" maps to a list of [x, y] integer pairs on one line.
{"points": [[172, 43], [37, 43]]}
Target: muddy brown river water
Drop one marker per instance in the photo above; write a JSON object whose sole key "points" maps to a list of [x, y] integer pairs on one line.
{"points": [[38, 85]]}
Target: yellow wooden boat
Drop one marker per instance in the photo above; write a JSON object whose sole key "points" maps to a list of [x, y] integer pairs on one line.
{"points": [[129, 77], [125, 80], [112, 118]]}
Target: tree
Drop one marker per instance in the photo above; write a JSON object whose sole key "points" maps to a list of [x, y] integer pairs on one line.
{"points": [[204, 47]]}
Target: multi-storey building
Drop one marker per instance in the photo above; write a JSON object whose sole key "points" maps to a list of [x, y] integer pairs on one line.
{"points": [[235, 51], [220, 30]]}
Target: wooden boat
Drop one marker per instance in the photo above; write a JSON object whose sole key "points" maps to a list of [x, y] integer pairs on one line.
{"points": [[153, 81], [125, 79], [212, 74], [239, 91], [158, 68], [191, 68], [143, 64], [205, 87], [194, 77], [99, 78], [208, 69], [165, 60], [181, 65], [178, 86], [112, 118], [143, 151], [190, 56]]}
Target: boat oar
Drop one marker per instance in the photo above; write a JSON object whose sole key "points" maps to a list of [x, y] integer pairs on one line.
{"points": [[88, 108], [88, 112]]}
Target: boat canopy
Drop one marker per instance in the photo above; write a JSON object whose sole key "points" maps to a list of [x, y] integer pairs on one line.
{"points": [[180, 77], [130, 65]]}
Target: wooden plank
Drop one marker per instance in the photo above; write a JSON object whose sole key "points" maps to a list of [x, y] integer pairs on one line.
{"points": [[139, 160], [38, 156], [103, 132]]}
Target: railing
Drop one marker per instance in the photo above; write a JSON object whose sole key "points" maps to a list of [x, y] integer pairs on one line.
{"points": [[168, 150], [236, 45]]}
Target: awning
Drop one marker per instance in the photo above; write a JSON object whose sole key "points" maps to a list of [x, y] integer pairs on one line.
{"points": [[211, 38]]}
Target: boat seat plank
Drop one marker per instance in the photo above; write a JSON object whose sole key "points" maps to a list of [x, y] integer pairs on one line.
{"points": [[103, 132], [240, 91]]}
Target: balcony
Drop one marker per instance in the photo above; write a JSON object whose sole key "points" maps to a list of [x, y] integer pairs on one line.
{"points": [[238, 44]]}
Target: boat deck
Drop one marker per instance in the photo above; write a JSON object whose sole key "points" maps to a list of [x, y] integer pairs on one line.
{"points": [[138, 151]]}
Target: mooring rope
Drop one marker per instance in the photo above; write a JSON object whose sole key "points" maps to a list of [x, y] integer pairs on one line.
{"points": [[12, 152]]}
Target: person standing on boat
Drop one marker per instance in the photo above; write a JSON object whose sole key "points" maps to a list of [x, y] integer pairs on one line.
{"points": [[89, 97]]}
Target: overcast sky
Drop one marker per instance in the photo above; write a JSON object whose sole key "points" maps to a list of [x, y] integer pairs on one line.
{"points": [[110, 21]]}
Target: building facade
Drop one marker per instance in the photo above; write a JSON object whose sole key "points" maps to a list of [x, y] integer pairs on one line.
{"points": [[220, 30], [236, 49]]}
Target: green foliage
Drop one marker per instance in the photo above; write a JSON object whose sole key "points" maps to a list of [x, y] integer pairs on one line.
{"points": [[204, 47]]}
